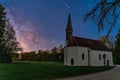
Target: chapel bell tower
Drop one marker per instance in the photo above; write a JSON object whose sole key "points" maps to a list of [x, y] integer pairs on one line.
{"points": [[69, 30]]}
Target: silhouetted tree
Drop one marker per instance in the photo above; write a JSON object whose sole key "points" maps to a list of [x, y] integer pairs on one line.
{"points": [[15, 57], [11, 42], [54, 50], [116, 52], [105, 13], [108, 41], [56, 54], [61, 53], [2, 30], [39, 55], [8, 42]]}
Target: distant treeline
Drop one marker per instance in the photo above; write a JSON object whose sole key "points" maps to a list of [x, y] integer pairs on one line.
{"points": [[56, 54]]}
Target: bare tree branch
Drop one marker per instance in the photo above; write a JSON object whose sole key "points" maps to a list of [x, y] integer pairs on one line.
{"points": [[105, 13]]}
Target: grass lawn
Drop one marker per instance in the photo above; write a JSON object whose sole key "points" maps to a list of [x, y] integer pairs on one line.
{"points": [[42, 70]]}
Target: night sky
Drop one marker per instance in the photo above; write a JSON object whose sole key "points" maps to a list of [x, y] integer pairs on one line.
{"points": [[40, 24]]}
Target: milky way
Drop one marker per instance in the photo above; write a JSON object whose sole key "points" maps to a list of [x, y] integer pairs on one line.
{"points": [[29, 37], [40, 24]]}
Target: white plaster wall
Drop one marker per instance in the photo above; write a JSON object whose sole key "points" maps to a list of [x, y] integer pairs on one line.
{"points": [[82, 50], [65, 56], [94, 55], [70, 53], [76, 54], [110, 58], [95, 58]]}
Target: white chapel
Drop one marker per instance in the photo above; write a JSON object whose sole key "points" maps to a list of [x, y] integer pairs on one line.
{"points": [[85, 52]]}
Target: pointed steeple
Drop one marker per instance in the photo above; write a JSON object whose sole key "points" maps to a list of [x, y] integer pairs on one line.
{"points": [[69, 30], [69, 23]]}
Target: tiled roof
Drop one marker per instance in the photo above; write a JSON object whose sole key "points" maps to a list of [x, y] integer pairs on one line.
{"points": [[84, 42]]}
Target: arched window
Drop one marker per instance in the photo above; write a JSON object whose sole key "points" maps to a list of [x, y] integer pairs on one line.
{"points": [[83, 56], [99, 56], [69, 33], [72, 61]]}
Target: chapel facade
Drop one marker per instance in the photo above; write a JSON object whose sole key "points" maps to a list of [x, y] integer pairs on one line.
{"points": [[85, 52]]}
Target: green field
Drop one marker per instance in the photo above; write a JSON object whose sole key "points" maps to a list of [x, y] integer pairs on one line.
{"points": [[42, 70]]}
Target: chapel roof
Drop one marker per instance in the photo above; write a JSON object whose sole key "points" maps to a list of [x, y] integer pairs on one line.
{"points": [[84, 42]]}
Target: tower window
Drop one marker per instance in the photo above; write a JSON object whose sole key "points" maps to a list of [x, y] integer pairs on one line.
{"points": [[83, 56], [69, 33]]}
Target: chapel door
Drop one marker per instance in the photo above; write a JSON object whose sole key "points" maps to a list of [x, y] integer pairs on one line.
{"points": [[107, 62]]}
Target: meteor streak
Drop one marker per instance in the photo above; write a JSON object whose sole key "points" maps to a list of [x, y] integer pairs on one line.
{"points": [[66, 4]]}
